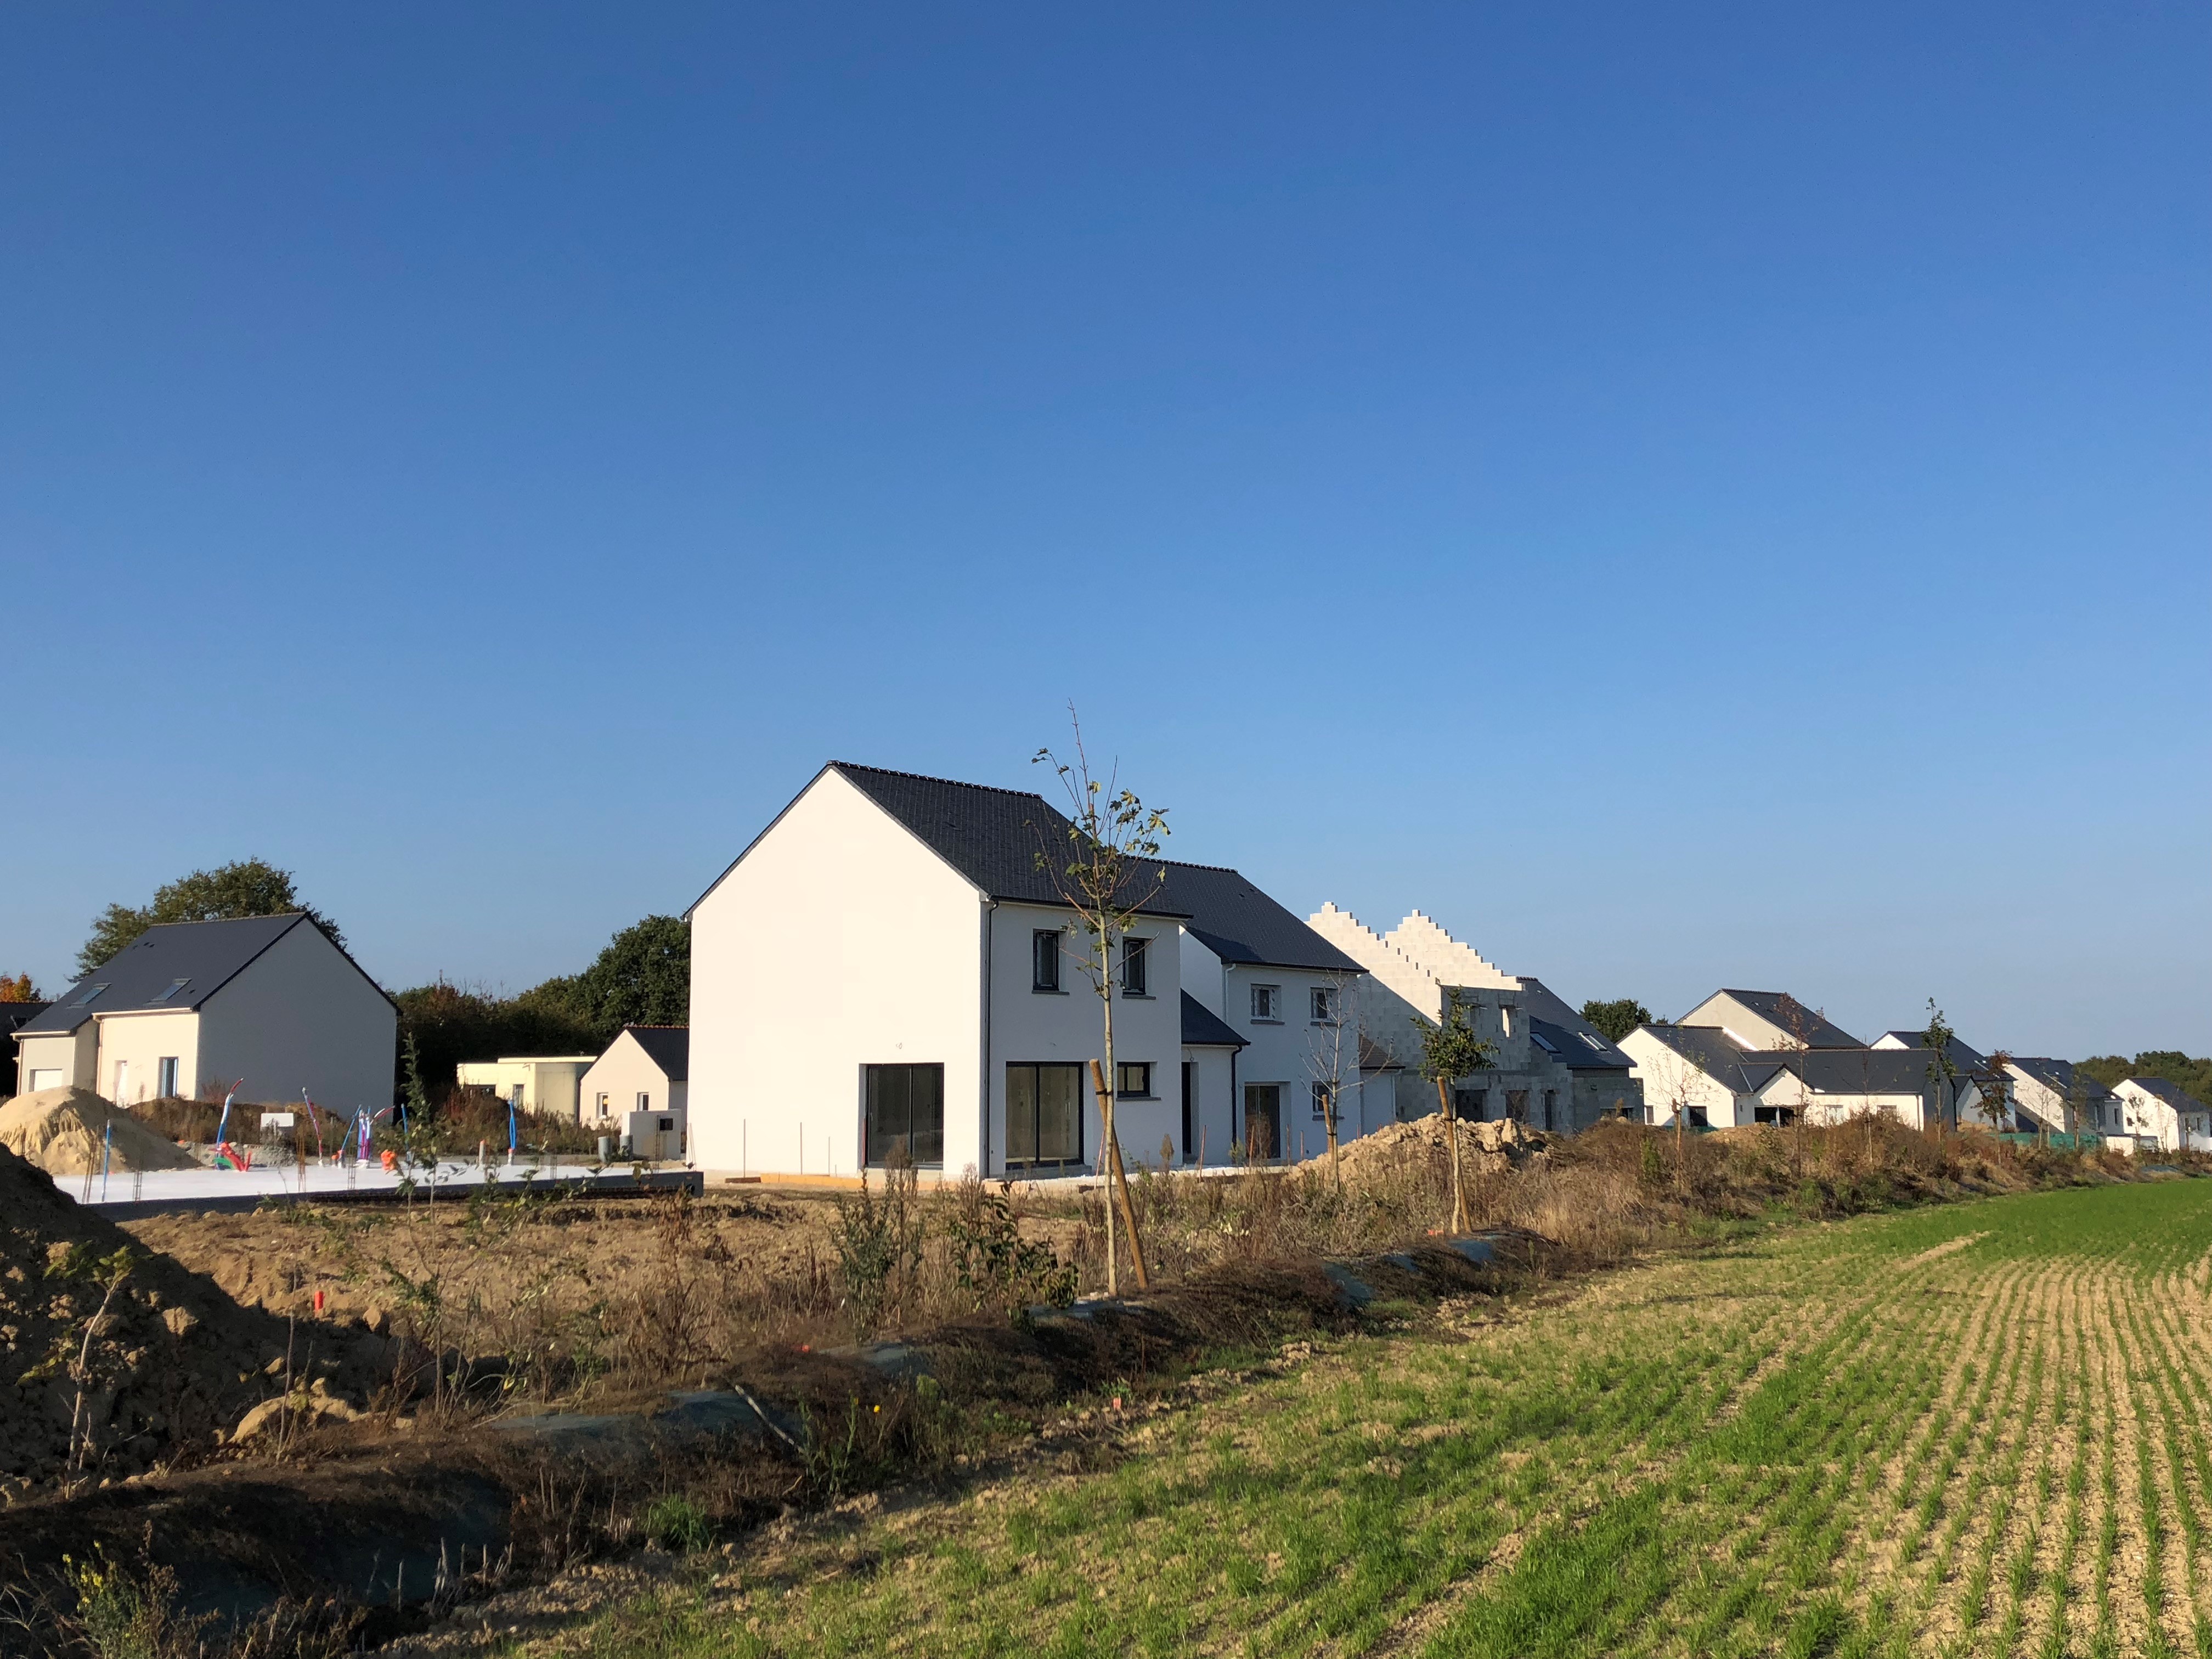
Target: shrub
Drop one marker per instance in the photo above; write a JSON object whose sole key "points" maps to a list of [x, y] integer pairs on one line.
{"points": [[678, 1524]]}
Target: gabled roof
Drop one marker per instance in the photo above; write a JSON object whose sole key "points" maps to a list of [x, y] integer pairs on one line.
{"points": [[1204, 1029], [992, 838], [144, 975], [1856, 1071], [1580, 1046], [1714, 1053], [1963, 1057], [995, 838], [1239, 923], [668, 1047], [1785, 1011], [2059, 1076], [2172, 1093]]}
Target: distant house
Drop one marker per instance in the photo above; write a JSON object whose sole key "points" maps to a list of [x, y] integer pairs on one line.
{"points": [[1749, 1057], [2057, 1095], [1969, 1071], [2153, 1110], [271, 1004], [887, 971], [530, 1083], [647, 1068], [1550, 1068]]}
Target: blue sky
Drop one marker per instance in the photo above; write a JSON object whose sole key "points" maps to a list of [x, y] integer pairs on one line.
{"points": [[1686, 495]]}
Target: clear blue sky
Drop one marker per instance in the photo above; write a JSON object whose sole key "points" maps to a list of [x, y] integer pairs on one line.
{"points": [[1687, 495]]}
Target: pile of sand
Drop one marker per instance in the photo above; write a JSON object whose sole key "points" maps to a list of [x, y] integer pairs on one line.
{"points": [[173, 1367], [1487, 1148], [64, 1132]]}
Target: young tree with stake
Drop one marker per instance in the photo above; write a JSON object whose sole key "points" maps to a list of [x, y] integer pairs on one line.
{"points": [[1943, 1070], [1332, 1052], [1106, 873], [1450, 1050]]}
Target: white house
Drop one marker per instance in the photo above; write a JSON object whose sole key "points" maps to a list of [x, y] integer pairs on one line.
{"points": [[269, 1005], [2057, 1095], [1551, 1068], [889, 971], [647, 1068], [1745, 1057], [1961, 1090], [2153, 1110], [551, 1084]]}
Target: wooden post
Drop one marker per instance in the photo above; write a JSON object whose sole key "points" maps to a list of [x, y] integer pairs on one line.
{"points": [[1117, 1179]]}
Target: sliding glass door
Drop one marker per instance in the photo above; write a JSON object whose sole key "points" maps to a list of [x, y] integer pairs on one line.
{"points": [[905, 1114], [1044, 1116]]}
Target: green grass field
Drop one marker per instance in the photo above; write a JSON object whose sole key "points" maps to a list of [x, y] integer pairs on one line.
{"points": [[1975, 1430]]}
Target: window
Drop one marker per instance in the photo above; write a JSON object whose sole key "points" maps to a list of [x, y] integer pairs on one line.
{"points": [[1044, 959], [1268, 1002], [1594, 1041], [1551, 1104], [1321, 1103], [165, 1070], [1324, 1004], [905, 1114], [1516, 1105], [1189, 1101], [1135, 974], [644, 1100], [90, 992], [1505, 1017], [1134, 1079], [603, 1102], [175, 985], [1044, 1114], [1470, 1103]]}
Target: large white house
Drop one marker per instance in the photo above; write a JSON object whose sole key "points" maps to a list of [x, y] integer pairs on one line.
{"points": [[1550, 1068], [272, 1005], [887, 971]]}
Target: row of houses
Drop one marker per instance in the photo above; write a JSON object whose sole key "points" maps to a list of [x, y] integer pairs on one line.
{"points": [[889, 971]]}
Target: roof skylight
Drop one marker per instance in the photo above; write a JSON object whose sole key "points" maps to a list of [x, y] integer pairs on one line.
{"points": [[90, 992], [175, 985]]}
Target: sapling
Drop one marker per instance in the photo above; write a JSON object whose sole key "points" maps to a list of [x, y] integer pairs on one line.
{"points": [[1450, 1050]]}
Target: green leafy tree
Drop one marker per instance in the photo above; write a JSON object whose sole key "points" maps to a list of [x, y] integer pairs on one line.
{"points": [[2193, 1075], [1450, 1050], [448, 1024], [643, 977], [250, 887], [1943, 1070], [1617, 1018]]}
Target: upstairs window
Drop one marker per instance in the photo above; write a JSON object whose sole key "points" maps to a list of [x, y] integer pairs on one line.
{"points": [[1135, 971], [175, 985], [90, 992], [1044, 959], [1324, 1004], [1268, 1002]]}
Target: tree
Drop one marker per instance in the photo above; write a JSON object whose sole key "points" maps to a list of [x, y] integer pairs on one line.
{"points": [[1450, 1050], [1102, 875], [250, 887], [1332, 1054], [1943, 1070], [1617, 1018], [448, 1024], [19, 989], [643, 977], [1996, 1084], [2195, 1075]]}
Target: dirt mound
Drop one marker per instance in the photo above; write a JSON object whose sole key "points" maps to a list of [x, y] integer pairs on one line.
{"points": [[1487, 1148], [65, 1132], [171, 1365]]}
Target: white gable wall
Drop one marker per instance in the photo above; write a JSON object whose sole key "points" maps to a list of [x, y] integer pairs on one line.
{"points": [[838, 940], [621, 1075], [300, 1015], [1673, 1083]]}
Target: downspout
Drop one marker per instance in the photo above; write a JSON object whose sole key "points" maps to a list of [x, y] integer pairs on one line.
{"points": [[983, 1090]]}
